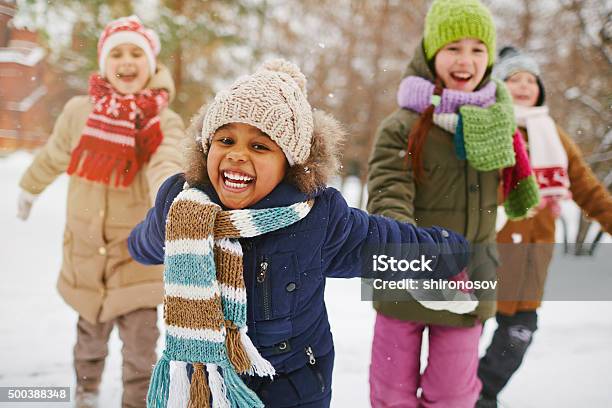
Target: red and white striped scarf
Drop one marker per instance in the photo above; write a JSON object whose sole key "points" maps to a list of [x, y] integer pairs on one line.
{"points": [[121, 133]]}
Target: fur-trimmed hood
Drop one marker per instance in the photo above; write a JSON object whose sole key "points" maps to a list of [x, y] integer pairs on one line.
{"points": [[308, 177]]}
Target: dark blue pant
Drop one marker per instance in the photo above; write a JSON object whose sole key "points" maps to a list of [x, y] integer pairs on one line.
{"points": [[306, 387], [506, 352]]}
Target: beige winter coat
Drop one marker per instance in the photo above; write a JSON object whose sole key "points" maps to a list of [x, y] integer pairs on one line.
{"points": [[98, 278]]}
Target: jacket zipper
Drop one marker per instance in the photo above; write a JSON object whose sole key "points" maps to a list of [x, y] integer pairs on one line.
{"points": [[310, 354], [264, 284], [312, 361]]}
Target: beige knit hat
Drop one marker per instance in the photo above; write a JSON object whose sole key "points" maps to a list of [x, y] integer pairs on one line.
{"points": [[273, 100]]}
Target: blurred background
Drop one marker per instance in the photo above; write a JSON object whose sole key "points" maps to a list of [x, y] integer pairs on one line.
{"points": [[352, 51]]}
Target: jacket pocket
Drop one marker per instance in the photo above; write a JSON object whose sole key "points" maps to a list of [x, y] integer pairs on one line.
{"points": [[125, 271], [68, 273], [312, 381], [277, 284], [308, 385], [132, 273], [493, 254]]}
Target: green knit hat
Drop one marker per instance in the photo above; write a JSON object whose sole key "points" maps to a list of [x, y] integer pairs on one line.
{"points": [[452, 20]]}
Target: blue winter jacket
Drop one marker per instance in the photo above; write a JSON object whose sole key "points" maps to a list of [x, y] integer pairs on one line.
{"points": [[285, 270]]}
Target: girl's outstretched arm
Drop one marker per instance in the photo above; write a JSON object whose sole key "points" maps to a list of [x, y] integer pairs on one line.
{"points": [[53, 159], [352, 234]]}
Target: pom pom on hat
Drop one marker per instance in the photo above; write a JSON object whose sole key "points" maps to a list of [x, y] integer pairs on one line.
{"points": [[289, 68]]}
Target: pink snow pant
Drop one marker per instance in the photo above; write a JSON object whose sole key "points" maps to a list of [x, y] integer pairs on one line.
{"points": [[450, 379]]}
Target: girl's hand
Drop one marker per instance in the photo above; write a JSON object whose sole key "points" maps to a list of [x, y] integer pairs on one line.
{"points": [[24, 204], [459, 301]]}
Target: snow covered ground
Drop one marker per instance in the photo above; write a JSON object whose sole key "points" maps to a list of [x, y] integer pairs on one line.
{"points": [[567, 366]]}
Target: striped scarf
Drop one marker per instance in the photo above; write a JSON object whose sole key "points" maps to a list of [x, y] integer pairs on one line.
{"points": [[121, 134], [205, 303]]}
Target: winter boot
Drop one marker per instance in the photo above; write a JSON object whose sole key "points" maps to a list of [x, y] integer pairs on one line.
{"points": [[485, 402]]}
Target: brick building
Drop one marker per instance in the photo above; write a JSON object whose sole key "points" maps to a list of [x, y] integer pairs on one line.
{"points": [[24, 118]]}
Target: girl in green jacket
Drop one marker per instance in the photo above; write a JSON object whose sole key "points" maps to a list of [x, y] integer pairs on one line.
{"points": [[439, 160]]}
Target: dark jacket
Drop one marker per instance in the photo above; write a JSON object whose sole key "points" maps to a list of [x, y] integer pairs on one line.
{"points": [[285, 309]]}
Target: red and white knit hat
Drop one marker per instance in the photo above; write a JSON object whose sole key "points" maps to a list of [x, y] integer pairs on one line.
{"points": [[128, 30]]}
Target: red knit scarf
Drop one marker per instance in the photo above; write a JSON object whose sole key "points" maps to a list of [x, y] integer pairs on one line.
{"points": [[121, 133]]}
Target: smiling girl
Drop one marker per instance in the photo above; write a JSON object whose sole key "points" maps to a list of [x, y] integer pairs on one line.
{"points": [[438, 160], [127, 68], [248, 236], [234, 179], [117, 144]]}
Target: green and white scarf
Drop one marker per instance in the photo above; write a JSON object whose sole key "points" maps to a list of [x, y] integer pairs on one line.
{"points": [[205, 303]]}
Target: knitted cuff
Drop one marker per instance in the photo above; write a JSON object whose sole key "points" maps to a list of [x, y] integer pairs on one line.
{"points": [[522, 198]]}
